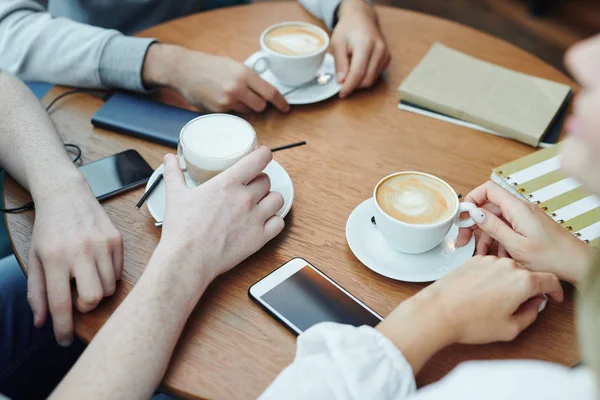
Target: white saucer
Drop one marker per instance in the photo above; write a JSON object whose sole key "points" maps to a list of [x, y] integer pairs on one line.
{"points": [[308, 95], [280, 182], [369, 246]]}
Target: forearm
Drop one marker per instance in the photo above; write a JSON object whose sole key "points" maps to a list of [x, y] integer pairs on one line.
{"points": [[30, 149], [129, 355], [35, 45]]}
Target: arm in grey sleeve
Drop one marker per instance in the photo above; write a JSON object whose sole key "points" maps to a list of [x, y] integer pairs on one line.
{"points": [[35, 45], [322, 9]]}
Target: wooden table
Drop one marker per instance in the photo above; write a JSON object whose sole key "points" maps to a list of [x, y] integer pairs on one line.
{"points": [[231, 349]]}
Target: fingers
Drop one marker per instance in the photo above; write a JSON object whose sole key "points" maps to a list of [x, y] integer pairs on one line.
{"points": [[172, 173], [250, 166], [259, 187], [527, 313], [267, 91], [483, 244], [252, 100], [270, 205], [493, 193], [118, 256], [379, 52], [340, 55], [59, 300], [545, 283], [502, 253], [89, 287], [273, 227], [464, 236], [358, 67], [36, 290], [495, 228], [241, 108], [106, 273]]}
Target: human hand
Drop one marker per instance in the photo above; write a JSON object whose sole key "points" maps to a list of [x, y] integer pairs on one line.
{"points": [[488, 299], [73, 239], [216, 83], [223, 221], [525, 233], [359, 48]]}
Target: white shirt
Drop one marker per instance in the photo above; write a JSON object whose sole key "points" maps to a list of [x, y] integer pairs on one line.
{"points": [[343, 362]]}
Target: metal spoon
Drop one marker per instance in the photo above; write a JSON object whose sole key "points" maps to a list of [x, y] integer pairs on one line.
{"points": [[320, 80]]}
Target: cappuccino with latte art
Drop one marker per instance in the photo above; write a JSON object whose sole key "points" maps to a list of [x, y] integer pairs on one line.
{"points": [[416, 199]]}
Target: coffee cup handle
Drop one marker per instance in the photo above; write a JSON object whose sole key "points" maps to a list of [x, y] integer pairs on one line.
{"points": [[261, 61], [464, 207]]}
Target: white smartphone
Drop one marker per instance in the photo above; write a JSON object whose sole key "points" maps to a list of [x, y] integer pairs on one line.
{"points": [[299, 296]]}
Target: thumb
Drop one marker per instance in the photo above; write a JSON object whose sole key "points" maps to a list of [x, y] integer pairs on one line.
{"points": [[495, 227], [340, 54], [172, 173]]}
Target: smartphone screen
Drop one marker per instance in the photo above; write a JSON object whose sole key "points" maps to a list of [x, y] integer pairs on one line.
{"points": [[117, 173], [307, 297]]}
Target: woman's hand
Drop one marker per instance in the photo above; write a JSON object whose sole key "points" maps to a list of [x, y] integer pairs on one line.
{"points": [[525, 233], [488, 299]]}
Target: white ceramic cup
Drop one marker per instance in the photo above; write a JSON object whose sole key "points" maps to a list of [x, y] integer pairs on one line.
{"points": [[419, 238], [291, 70]]}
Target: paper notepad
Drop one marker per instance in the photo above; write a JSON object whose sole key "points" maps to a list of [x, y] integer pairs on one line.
{"points": [[510, 103], [537, 178]]}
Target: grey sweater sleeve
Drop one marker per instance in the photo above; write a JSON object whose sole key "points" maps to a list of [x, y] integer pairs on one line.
{"points": [[322, 9], [34, 45]]}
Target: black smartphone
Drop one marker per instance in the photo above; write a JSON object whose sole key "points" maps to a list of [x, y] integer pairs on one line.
{"points": [[116, 174], [143, 118], [299, 296]]}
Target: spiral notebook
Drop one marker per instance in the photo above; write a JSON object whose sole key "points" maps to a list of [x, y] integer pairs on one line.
{"points": [[537, 178]]}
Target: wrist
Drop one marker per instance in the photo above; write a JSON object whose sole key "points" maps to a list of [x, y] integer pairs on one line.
{"points": [[160, 64], [417, 327], [575, 266], [56, 183], [352, 6]]}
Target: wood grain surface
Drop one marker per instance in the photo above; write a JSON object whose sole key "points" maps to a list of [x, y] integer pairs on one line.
{"points": [[231, 349]]}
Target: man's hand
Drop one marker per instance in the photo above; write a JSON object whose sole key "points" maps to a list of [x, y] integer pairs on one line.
{"points": [[359, 48], [223, 221], [216, 83], [73, 239]]}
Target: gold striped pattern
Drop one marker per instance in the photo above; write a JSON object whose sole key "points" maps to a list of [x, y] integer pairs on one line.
{"points": [[564, 200], [528, 161]]}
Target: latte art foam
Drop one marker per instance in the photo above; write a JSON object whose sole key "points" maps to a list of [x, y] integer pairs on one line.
{"points": [[294, 40], [416, 199]]}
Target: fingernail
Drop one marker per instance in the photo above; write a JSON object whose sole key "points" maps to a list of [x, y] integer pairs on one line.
{"points": [[542, 306], [65, 342], [478, 215], [340, 76]]}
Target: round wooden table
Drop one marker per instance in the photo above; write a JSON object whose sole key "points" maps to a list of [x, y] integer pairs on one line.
{"points": [[231, 349]]}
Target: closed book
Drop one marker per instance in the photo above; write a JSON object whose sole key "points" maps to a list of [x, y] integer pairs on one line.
{"points": [[516, 105]]}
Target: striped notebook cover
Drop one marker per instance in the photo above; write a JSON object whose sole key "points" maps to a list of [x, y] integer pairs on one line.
{"points": [[537, 178]]}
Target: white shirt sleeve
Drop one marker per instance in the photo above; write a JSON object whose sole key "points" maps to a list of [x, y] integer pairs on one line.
{"points": [[336, 361], [514, 380], [322, 9]]}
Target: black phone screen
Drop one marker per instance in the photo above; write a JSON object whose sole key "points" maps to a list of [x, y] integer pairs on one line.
{"points": [[114, 174], [307, 298]]}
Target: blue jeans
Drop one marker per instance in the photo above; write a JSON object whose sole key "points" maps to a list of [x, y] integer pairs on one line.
{"points": [[31, 362]]}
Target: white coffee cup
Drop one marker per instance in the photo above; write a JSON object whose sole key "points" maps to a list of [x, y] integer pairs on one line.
{"points": [[211, 143], [416, 238], [292, 69]]}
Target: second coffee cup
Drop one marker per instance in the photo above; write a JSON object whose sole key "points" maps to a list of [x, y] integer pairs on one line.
{"points": [[415, 211], [292, 51], [210, 144]]}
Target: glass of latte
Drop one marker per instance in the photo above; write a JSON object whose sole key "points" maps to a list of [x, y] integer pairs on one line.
{"points": [[210, 144], [415, 211]]}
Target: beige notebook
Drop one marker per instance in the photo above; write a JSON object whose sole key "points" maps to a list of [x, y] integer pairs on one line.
{"points": [[514, 104]]}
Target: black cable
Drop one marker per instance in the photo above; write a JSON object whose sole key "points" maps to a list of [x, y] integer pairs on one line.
{"points": [[23, 208], [77, 149], [75, 91]]}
